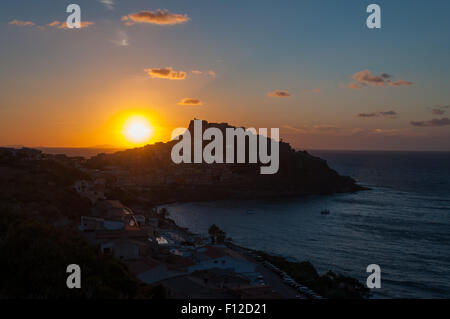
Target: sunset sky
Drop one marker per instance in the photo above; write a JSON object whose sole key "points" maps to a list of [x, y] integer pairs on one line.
{"points": [[311, 68]]}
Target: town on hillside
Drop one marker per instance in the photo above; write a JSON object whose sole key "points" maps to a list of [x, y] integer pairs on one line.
{"points": [[128, 222]]}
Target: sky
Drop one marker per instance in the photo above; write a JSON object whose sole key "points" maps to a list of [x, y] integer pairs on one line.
{"points": [[311, 68]]}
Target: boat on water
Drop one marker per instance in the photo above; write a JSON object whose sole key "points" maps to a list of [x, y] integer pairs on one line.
{"points": [[325, 212]]}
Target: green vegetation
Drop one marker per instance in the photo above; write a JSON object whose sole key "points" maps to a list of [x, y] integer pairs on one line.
{"points": [[330, 285]]}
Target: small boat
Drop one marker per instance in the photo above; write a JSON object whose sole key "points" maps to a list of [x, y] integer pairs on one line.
{"points": [[325, 212]]}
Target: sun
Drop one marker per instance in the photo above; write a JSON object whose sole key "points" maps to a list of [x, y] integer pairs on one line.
{"points": [[137, 129]]}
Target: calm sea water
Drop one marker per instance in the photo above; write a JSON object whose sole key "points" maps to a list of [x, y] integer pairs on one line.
{"points": [[402, 224]]}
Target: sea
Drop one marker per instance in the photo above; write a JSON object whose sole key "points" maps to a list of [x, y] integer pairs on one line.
{"points": [[401, 224]]}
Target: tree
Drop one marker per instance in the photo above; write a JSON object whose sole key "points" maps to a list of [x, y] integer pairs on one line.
{"points": [[164, 213], [216, 234]]}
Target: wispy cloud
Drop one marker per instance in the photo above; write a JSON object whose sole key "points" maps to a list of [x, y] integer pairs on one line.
{"points": [[366, 115], [54, 24], [166, 73], [437, 111], [190, 101], [440, 109], [445, 121], [388, 114], [63, 25], [279, 93], [210, 73], [400, 83], [365, 78], [22, 23], [332, 130], [160, 17], [109, 4], [121, 39], [323, 129]]}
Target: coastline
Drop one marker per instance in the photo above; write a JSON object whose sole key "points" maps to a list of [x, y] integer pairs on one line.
{"points": [[301, 275]]}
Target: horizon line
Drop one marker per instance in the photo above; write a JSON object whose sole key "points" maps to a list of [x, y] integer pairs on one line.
{"points": [[112, 147]]}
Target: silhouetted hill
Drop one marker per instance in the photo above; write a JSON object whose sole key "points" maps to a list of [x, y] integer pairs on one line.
{"points": [[152, 167]]}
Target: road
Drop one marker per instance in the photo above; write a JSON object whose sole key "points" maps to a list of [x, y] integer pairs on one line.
{"points": [[271, 278]]}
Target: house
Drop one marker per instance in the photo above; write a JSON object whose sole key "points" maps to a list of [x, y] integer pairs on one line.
{"points": [[212, 257], [140, 219], [151, 271], [88, 190], [91, 223], [124, 248], [162, 241], [183, 252], [153, 221], [111, 210], [113, 225], [82, 186], [94, 224], [114, 234]]}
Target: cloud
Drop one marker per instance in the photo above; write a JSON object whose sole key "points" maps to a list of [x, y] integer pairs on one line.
{"points": [[21, 23], [109, 4], [210, 73], [400, 83], [334, 131], [353, 85], [366, 115], [324, 129], [63, 25], [190, 101], [281, 93], [388, 114], [121, 40], [437, 111], [445, 121], [166, 73], [54, 24], [160, 17], [365, 78], [440, 109]]}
